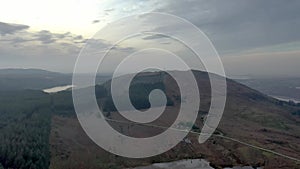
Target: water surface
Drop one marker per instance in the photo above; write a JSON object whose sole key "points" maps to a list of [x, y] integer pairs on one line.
{"points": [[286, 99], [57, 89]]}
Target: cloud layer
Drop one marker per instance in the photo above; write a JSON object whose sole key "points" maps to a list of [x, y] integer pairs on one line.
{"points": [[245, 32], [7, 28], [241, 24]]}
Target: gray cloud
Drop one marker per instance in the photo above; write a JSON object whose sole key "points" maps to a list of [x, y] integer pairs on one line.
{"points": [[109, 10], [47, 50], [96, 21], [241, 24], [7, 28], [45, 37], [155, 36]]}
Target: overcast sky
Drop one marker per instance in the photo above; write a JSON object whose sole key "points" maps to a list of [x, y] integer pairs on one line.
{"points": [[253, 37]]}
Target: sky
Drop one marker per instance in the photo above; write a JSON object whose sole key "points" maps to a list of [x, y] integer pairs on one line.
{"points": [[253, 37]]}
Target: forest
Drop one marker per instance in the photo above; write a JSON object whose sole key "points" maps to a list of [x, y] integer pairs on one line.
{"points": [[25, 120], [25, 124]]}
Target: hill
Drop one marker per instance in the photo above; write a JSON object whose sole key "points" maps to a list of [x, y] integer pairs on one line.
{"points": [[37, 79], [253, 126], [39, 129], [20, 79]]}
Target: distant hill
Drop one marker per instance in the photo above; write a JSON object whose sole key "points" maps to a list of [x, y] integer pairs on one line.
{"points": [[20, 79], [37, 79], [32, 72], [285, 88]]}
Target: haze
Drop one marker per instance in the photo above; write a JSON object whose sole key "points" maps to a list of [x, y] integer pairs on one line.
{"points": [[254, 38]]}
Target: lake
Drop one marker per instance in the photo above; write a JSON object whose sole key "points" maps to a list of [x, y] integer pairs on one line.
{"points": [[287, 99], [58, 89]]}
